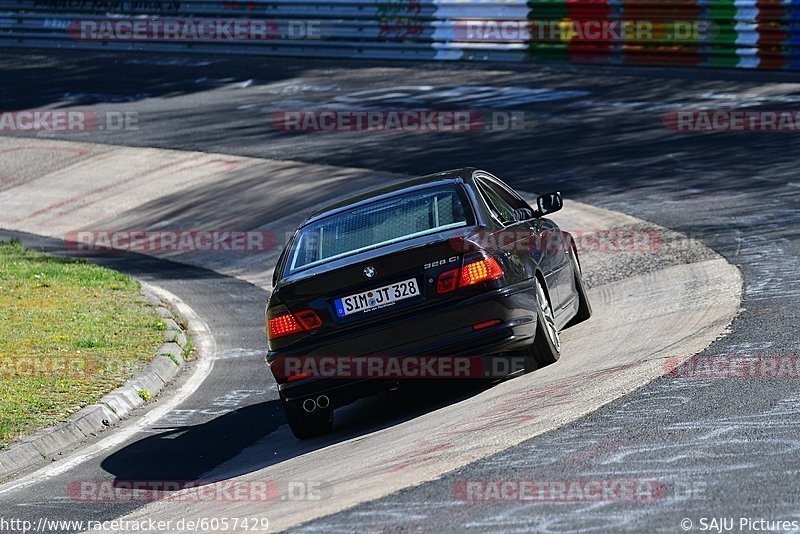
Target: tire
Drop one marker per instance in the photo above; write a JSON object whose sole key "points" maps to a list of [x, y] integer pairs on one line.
{"points": [[306, 425], [546, 347], [584, 307]]}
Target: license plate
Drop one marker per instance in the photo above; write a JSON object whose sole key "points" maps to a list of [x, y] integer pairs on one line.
{"points": [[376, 298]]}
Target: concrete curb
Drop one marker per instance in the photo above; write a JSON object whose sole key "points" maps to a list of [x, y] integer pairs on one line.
{"points": [[113, 407]]}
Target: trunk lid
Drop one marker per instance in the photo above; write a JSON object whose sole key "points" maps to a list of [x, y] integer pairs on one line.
{"points": [[403, 282]]}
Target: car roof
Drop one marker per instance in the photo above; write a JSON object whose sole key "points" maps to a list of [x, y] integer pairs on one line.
{"points": [[463, 174]]}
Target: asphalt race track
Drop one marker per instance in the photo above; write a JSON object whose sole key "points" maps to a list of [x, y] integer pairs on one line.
{"points": [[721, 447]]}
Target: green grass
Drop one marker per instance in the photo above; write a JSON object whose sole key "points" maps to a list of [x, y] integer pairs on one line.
{"points": [[70, 332]]}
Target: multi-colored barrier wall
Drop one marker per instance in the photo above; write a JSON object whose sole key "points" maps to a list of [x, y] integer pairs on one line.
{"points": [[724, 33]]}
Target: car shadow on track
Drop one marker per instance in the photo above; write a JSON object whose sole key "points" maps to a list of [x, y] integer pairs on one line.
{"points": [[254, 437]]}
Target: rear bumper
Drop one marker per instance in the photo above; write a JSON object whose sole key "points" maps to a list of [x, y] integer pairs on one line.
{"points": [[448, 332]]}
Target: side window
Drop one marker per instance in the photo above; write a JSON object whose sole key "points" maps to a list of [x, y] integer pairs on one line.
{"points": [[494, 196], [504, 191]]}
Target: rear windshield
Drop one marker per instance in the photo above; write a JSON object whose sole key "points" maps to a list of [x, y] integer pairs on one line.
{"points": [[377, 224]]}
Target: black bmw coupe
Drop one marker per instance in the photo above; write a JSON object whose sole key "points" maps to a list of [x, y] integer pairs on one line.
{"points": [[417, 279]]}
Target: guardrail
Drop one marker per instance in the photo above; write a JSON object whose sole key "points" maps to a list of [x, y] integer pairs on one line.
{"points": [[731, 33]]}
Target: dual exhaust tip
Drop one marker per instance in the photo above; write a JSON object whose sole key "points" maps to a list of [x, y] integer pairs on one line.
{"points": [[322, 402]]}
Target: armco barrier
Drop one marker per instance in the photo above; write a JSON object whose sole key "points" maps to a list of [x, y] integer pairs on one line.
{"points": [[740, 33]]}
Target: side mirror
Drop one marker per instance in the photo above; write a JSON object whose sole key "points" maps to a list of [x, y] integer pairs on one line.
{"points": [[549, 203]]}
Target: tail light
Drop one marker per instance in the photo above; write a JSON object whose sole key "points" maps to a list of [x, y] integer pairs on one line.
{"points": [[472, 272], [309, 319], [447, 281], [480, 271], [292, 378], [281, 322]]}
